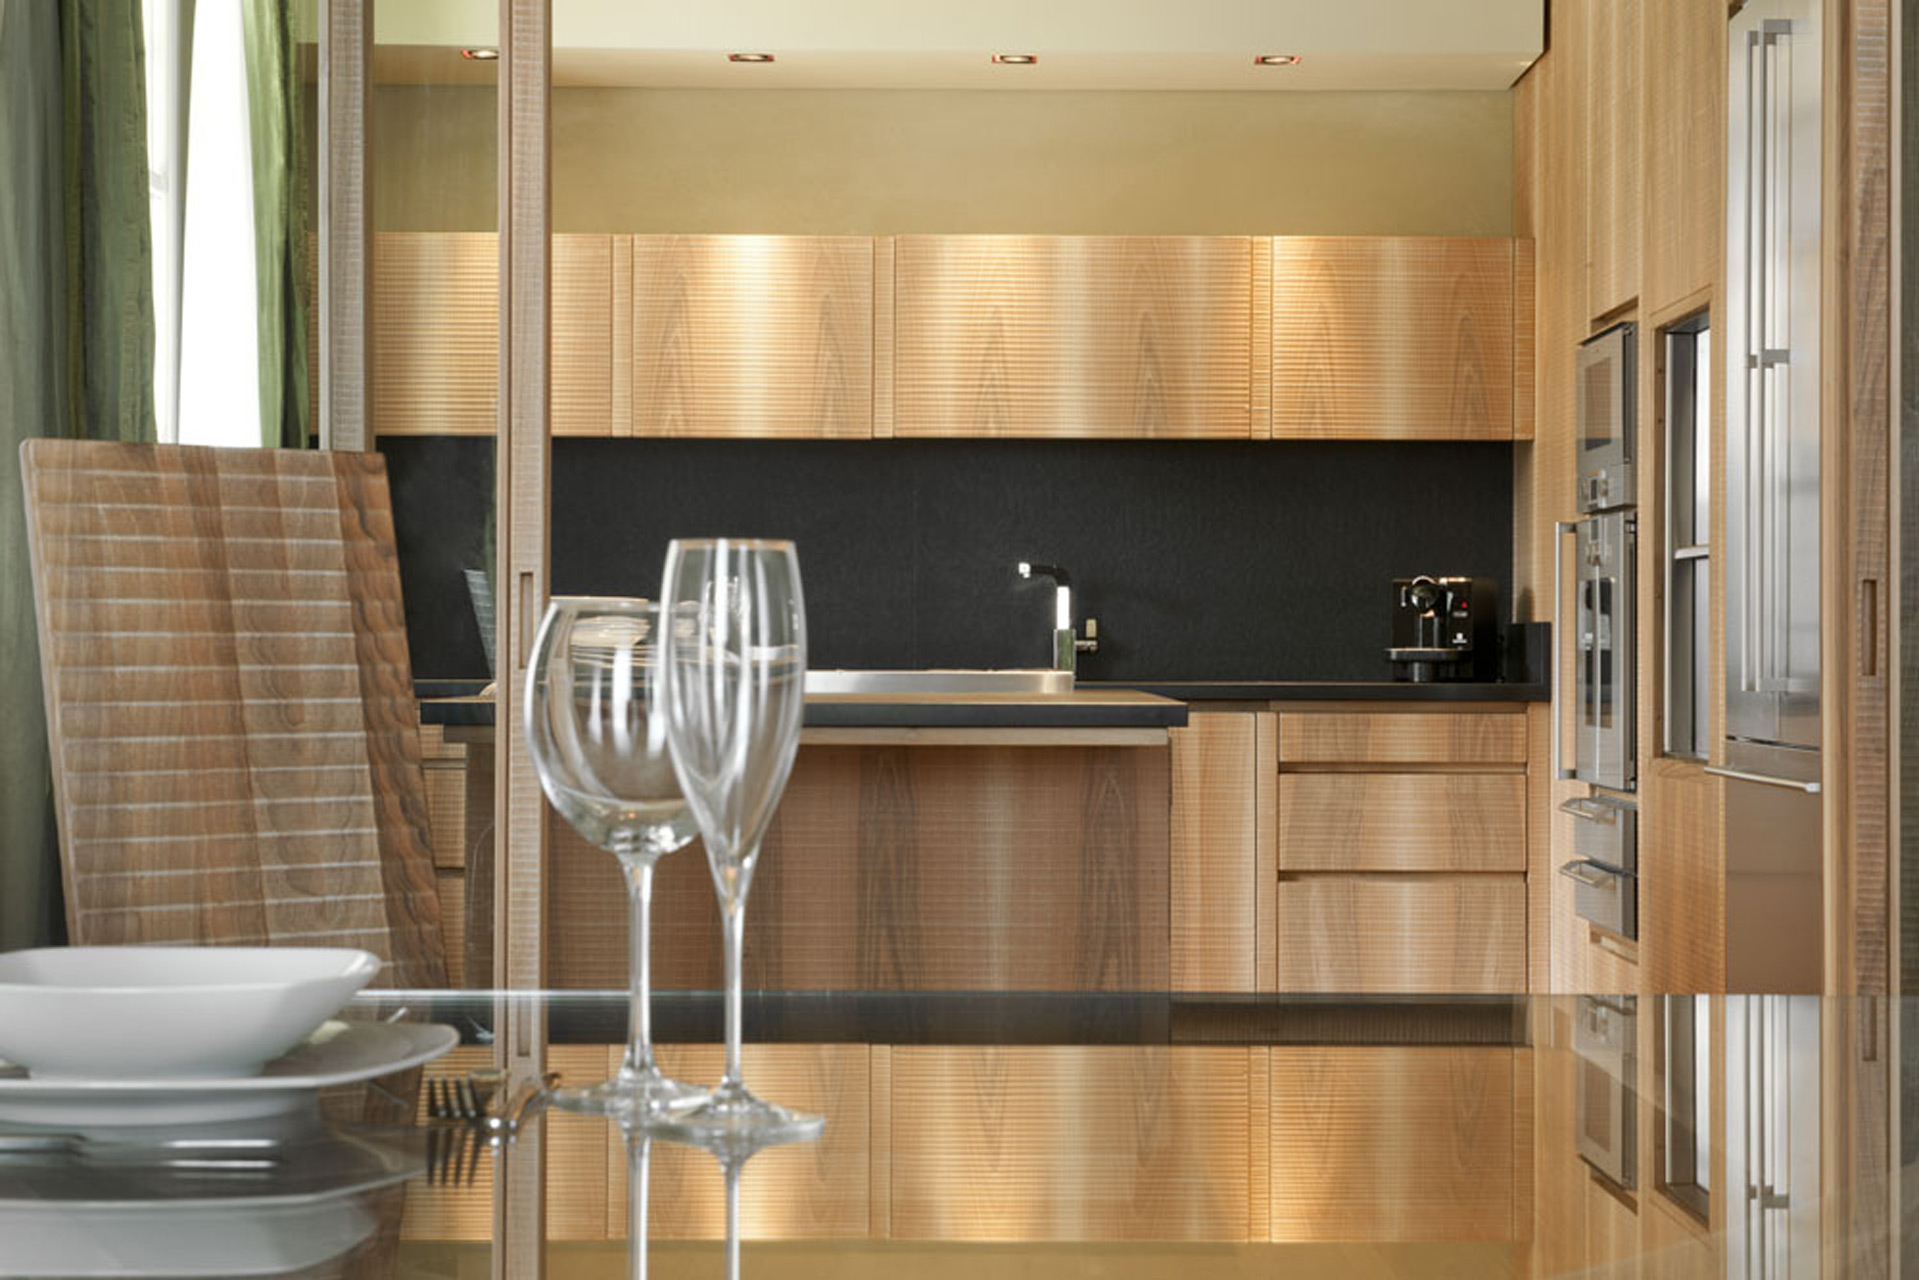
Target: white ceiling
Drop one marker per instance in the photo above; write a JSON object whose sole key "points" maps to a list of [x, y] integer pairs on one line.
{"points": [[917, 44]]}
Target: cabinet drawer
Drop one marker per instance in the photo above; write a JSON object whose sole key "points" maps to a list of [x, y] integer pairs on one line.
{"points": [[1411, 934], [1401, 737], [1402, 822]]}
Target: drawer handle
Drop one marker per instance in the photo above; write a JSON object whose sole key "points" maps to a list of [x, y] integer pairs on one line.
{"points": [[1591, 810], [1764, 779], [1591, 874]]}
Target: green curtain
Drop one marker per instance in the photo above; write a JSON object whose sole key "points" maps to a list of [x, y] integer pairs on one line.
{"points": [[76, 348], [279, 222]]}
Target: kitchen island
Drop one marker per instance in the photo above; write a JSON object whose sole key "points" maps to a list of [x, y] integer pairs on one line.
{"points": [[1273, 836]]}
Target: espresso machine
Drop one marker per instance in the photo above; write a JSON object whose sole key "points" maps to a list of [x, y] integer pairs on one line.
{"points": [[1444, 629]]}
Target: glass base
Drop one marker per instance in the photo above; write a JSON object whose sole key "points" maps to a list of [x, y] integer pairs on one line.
{"points": [[639, 1094], [732, 1123]]}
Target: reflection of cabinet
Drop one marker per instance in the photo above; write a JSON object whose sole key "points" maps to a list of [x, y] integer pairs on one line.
{"points": [[1054, 336], [1395, 338], [1402, 850]]}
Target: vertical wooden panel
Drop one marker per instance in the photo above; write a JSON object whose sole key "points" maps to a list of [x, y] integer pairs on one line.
{"points": [[1259, 1125], [1070, 1143], [582, 363], [1051, 336], [522, 468], [1612, 154], [1541, 870], [1214, 861], [1525, 345], [1684, 62], [883, 344], [1392, 337], [346, 225], [1266, 852], [753, 336], [1383, 1144]]}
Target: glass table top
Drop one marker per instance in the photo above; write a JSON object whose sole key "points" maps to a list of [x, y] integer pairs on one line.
{"points": [[1043, 1135]]}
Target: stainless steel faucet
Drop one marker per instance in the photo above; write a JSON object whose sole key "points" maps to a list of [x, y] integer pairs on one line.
{"points": [[1067, 645]]}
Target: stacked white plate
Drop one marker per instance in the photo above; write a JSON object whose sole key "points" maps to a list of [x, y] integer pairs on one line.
{"points": [[117, 1036]]}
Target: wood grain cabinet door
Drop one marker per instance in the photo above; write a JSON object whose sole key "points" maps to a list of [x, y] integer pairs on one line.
{"points": [[766, 336], [1392, 338], [1131, 337], [436, 320]]}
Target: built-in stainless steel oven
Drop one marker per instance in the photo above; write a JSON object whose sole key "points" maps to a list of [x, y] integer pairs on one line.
{"points": [[1605, 1102], [1604, 666], [1606, 418]]}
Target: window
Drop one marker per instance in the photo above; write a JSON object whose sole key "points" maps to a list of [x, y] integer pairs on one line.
{"points": [[1687, 389], [1682, 1133]]}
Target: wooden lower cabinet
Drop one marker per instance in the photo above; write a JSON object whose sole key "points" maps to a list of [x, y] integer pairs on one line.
{"points": [[1389, 934], [1402, 843]]}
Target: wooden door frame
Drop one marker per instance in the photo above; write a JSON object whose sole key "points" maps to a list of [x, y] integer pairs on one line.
{"points": [[345, 393]]}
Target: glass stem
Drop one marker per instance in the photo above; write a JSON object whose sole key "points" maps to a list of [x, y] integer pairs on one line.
{"points": [[733, 1167], [639, 1013], [638, 1153], [733, 927]]}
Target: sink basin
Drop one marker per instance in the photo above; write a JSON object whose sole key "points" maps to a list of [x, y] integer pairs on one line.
{"points": [[1033, 680]]}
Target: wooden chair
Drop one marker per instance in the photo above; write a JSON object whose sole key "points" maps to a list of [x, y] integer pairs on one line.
{"points": [[230, 706]]}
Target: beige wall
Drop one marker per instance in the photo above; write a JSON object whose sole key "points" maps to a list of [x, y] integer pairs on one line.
{"points": [[878, 162]]}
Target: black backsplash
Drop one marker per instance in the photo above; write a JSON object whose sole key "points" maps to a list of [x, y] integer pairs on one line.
{"points": [[1201, 560]]}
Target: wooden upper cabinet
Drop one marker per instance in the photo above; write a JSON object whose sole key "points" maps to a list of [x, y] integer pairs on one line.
{"points": [[1612, 152], [1393, 338], [1685, 99], [1143, 337], [766, 336], [436, 325]]}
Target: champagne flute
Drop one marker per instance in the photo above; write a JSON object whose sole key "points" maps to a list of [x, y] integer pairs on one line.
{"points": [[598, 741], [733, 671]]}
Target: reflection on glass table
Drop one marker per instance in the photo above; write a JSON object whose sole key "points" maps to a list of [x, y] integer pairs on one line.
{"points": [[1124, 1135]]}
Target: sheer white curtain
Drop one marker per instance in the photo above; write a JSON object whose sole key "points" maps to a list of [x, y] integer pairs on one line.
{"points": [[206, 298]]}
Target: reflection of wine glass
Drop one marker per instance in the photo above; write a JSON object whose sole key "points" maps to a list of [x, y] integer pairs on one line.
{"points": [[731, 1148], [599, 743], [733, 673]]}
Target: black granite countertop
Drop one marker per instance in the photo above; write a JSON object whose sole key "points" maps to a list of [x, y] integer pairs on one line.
{"points": [[1333, 690]]}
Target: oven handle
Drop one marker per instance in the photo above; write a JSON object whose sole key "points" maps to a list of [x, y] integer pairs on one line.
{"points": [[1591, 874], [1560, 529], [1764, 779], [1591, 810]]}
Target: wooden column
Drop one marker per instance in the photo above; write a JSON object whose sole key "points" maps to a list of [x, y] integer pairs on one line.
{"points": [[346, 225], [525, 221], [1856, 421]]}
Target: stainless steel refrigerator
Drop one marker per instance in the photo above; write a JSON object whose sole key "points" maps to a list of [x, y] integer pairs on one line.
{"points": [[1771, 753]]}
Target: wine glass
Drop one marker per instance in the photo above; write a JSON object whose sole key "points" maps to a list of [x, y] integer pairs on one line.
{"points": [[733, 675], [598, 740]]}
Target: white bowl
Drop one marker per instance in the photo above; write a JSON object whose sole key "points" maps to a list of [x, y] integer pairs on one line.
{"points": [[128, 1013]]}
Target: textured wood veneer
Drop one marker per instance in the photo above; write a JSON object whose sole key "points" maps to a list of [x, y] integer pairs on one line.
{"points": [[1403, 338], [753, 336], [1060, 336]]}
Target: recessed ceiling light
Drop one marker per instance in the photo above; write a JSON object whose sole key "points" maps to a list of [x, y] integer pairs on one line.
{"points": [[480, 55], [749, 57], [1017, 59], [1277, 60]]}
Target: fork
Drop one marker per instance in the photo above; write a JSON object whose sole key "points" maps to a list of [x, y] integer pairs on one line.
{"points": [[473, 1111]]}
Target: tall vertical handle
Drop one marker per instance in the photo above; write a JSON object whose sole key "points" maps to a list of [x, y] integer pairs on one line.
{"points": [[1560, 530]]}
